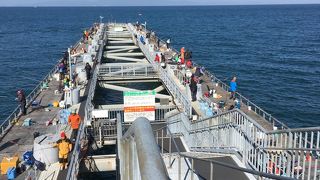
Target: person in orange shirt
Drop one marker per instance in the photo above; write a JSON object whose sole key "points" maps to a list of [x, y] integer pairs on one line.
{"points": [[74, 121], [182, 54]]}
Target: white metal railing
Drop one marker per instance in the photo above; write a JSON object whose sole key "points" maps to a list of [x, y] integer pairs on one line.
{"points": [[75, 160], [126, 70], [178, 158], [160, 112], [291, 153], [255, 108], [164, 75]]}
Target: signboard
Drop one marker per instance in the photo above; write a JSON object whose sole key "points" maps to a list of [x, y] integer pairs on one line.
{"points": [[100, 113], [139, 104]]}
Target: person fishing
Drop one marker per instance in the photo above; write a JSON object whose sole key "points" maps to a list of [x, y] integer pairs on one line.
{"points": [[64, 147], [66, 82], [182, 51], [88, 70], [193, 88], [168, 43], [74, 121], [62, 70], [22, 101], [233, 87]]}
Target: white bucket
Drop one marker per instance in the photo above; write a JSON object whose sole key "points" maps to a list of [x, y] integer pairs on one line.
{"points": [[188, 73], [75, 96], [81, 73], [44, 150]]}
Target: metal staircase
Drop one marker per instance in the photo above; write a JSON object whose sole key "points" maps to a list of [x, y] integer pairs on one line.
{"points": [[287, 153]]}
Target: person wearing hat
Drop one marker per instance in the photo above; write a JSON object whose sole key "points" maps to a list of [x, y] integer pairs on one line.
{"points": [[22, 101], [74, 121], [233, 87], [64, 146]]}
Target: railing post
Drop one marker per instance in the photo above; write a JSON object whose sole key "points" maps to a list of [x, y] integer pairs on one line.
{"points": [[162, 141], [170, 152], [179, 167], [122, 71], [100, 135], [211, 171], [192, 169]]}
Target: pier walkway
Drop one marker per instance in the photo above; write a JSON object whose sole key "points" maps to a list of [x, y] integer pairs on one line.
{"points": [[20, 137], [19, 131]]}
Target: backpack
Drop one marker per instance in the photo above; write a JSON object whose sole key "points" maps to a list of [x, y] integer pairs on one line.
{"points": [[28, 158]]}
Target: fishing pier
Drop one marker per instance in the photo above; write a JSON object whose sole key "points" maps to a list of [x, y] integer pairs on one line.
{"points": [[139, 122]]}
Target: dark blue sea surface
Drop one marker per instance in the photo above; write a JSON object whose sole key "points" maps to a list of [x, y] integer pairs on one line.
{"points": [[274, 50]]}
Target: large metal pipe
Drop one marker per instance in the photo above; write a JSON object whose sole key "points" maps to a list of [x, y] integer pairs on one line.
{"points": [[150, 162]]}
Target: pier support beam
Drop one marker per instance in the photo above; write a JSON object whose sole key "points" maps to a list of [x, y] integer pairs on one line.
{"points": [[125, 58], [120, 88]]}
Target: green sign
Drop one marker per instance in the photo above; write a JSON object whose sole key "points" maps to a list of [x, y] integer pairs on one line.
{"points": [[139, 93]]}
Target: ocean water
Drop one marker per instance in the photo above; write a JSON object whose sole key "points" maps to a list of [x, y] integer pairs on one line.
{"points": [[273, 50]]}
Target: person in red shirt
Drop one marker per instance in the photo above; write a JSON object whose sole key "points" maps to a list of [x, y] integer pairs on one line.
{"points": [[189, 63], [157, 58]]}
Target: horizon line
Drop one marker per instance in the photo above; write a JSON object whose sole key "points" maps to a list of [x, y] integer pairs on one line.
{"points": [[32, 6]]}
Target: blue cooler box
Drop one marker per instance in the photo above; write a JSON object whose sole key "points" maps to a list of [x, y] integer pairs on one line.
{"points": [[11, 173]]}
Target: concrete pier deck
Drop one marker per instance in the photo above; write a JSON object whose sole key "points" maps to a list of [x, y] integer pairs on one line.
{"points": [[19, 138]]}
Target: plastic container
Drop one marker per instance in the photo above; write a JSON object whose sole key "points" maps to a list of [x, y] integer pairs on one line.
{"points": [[11, 173], [87, 58], [237, 104], [209, 112], [67, 97], [8, 162], [75, 96], [80, 70], [44, 150], [202, 105], [63, 116], [221, 104], [199, 92]]}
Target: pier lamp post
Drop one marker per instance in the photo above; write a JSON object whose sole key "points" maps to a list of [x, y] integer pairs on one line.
{"points": [[69, 60], [145, 22], [70, 73], [145, 25], [101, 19]]}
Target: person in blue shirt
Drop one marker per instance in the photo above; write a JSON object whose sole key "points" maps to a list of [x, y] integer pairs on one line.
{"points": [[233, 87]]}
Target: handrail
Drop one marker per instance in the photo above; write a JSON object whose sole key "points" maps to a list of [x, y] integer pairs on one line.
{"points": [[192, 158], [259, 148], [259, 111], [254, 172], [138, 146], [74, 164], [166, 79], [122, 70], [160, 111]]}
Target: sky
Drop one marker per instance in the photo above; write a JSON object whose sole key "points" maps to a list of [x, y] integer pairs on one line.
{"points": [[147, 2]]}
